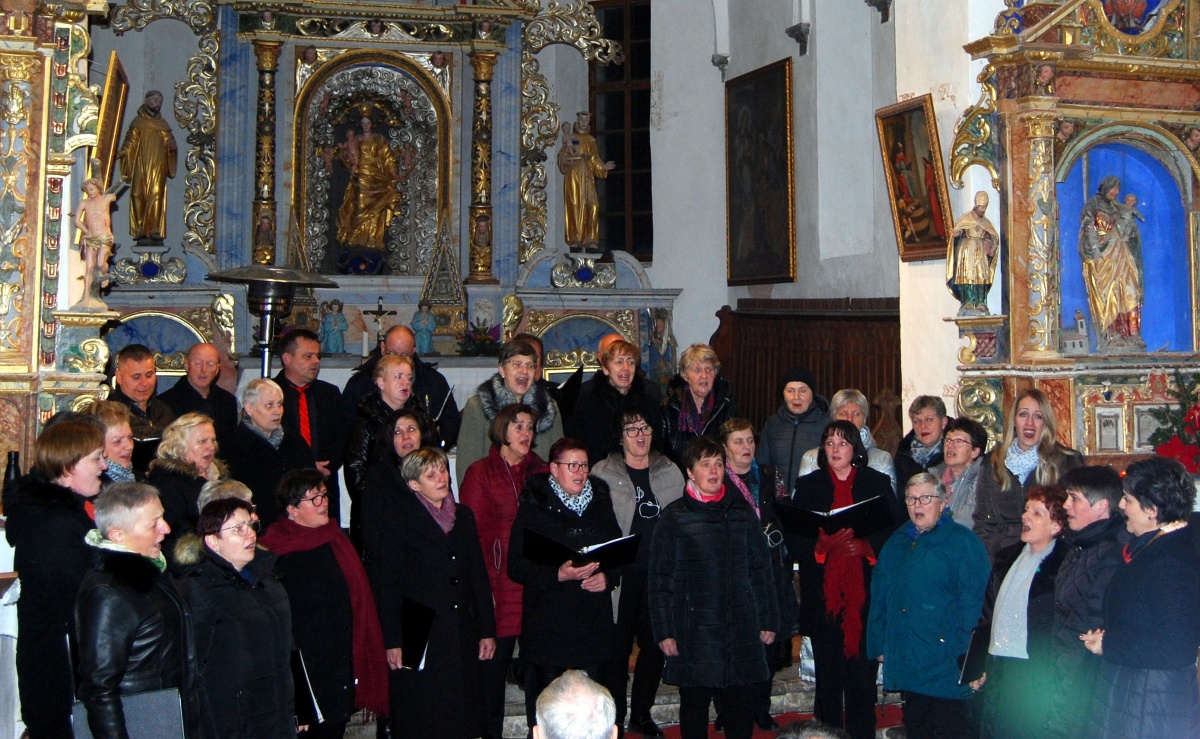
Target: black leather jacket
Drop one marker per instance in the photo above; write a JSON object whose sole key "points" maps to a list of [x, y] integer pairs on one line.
{"points": [[135, 636]]}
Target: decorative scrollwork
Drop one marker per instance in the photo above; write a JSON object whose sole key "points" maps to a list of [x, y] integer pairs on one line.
{"points": [[979, 400], [514, 310], [150, 269], [88, 358], [575, 24], [975, 135], [539, 321], [574, 358], [1167, 38], [624, 320], [1043, 230], [195, 109], [85, 100], [222, 317], [578, 271]]}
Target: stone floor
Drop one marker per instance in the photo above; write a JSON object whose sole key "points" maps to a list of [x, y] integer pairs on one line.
{"points": [[789, 694]]}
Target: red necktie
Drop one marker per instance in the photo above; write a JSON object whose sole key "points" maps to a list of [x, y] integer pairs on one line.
{"points": [[305, 430]]}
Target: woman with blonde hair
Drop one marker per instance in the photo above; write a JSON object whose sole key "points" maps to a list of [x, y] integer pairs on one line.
{"points": [[1028, 455], [185, 460]]}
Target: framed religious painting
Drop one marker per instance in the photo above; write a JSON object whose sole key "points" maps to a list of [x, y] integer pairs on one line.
{"points": [[108, 126], [760, 188], [916, 178]]}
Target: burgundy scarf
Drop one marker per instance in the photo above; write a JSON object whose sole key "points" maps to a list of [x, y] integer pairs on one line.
{"points": [[370, 664], [845, 591]]}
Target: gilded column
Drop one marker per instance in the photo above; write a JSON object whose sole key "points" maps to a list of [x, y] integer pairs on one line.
{"points": [[481, 171], [1042, 292], [263, 227]]}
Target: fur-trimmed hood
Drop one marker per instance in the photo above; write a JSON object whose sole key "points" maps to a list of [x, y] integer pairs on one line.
{"points": [[493, 396], [189, 552], [185, 468], [29, 497]]}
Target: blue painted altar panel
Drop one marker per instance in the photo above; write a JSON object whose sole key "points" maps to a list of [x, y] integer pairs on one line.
{"points": [[1166, 311]]}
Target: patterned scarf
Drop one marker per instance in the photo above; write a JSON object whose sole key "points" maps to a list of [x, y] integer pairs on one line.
{"points": [[1021, 463], [275, 438], [118, 473], [751, 490], [921, 454], [577, 504], [691, 418]]}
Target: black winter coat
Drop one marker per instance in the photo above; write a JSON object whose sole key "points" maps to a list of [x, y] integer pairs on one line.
{"points": [[672, 437], [243, 646], [220, 405], [254, 462], [599, 402], [786, 436], [429, 388], [814, 492], [710, 590], [328, 423], [367, 443], [1091, 556], [412, 558], [562, 624], [46, 523], [322, 625], [1147, 686], [1039, 614], [135, 636], [178, 485]]}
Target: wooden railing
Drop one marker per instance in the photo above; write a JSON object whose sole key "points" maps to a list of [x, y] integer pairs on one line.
{"points": [[844, 342]]}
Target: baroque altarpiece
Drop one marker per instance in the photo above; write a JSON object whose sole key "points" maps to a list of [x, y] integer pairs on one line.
{"points": [[403, 149], [1088, 124]]}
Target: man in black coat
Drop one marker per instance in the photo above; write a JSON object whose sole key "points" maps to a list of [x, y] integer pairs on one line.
{"points": [[921, 449], [1093, 553], [135, 383], [430, 387], [198, 392], [313, 410], [135, 631]]}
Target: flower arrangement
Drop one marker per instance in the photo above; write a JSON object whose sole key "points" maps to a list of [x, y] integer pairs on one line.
{"points": [[479, 340], [1178, 433]]}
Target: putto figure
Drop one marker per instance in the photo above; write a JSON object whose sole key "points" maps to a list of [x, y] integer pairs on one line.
{"points": [[971, 260], [148, 158]]}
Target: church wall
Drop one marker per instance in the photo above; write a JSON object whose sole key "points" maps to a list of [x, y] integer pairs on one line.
{"points": [[930, 58]]}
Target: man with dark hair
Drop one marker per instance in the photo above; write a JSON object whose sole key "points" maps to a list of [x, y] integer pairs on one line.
{"points": [[198, 392], [135, 383], [313, 409], [430, 387], [921, 449], [1095, 540]]}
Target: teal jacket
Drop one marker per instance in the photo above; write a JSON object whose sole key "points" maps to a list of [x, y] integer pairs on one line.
{"points": [[926, 596]]}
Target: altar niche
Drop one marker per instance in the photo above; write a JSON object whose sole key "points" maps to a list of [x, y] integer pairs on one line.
{"points": [[1126, 253], [372, 154]]}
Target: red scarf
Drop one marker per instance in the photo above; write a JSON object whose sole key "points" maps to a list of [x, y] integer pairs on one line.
{"points": [[845, 591], [370, 664]]}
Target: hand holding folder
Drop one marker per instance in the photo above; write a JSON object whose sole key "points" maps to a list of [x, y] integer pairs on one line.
{"points": [[864, 518], [612, 554]]}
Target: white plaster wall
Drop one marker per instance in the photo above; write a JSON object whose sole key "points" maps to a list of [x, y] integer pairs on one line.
{"points": [[687, 141], [930, 58]]}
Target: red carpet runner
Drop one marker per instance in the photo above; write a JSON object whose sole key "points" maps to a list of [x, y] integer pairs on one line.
{"points": [[886, 716]]}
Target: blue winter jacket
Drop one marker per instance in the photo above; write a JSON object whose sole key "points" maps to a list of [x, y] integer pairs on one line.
{"points": [[926, 596]]}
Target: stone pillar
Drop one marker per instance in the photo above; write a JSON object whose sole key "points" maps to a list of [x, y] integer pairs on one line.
{"points": [[480, 226], [263, 232], [1040, 206]]}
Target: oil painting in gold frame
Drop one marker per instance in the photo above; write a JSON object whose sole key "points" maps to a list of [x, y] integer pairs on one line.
{"points": [[916, 178]]}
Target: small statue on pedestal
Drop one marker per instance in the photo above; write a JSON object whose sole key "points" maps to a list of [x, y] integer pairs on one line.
{"points": [[423, 325], [971, 259], [94, 221]]}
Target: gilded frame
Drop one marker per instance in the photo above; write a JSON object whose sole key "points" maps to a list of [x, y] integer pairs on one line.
{"points": [[108, 125], [919, 197], [760, 187]]}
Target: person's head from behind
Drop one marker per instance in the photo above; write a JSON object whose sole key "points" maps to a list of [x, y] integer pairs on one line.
{"points": [[810, 729], [1093, 494], [575, 707], [224, 488]]}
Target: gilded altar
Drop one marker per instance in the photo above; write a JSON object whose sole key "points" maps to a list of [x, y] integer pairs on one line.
{"points": [[1088, 127]]}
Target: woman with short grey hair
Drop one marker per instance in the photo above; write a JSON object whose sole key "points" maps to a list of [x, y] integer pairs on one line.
{"points": [[261, 451]]}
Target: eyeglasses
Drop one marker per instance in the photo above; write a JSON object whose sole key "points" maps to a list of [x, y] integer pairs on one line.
{"points": [[527, 366], [955, 441], [574, 466], [317, 499], [922, 499], [635, 431], [242, 529]]}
